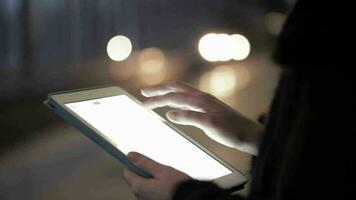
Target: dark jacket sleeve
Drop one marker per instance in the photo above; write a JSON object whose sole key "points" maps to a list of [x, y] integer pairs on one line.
{"points": [[202, 190]]}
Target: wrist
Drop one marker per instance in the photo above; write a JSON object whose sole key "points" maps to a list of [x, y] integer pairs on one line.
{"points": [[249, 135]]}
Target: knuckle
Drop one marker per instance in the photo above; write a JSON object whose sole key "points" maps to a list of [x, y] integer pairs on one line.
{"points": [[215, 120], [203, 99], [205, 96], [173, 95], [187, 114], [180, 97], [169, 96], [175, 84]]}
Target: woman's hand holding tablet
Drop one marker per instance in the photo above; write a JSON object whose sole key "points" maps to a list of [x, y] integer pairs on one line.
{"points": [[120, 124], [163, 184]]}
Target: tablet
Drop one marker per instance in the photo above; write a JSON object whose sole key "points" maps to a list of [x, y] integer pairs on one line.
{"points": [[119, 123]]}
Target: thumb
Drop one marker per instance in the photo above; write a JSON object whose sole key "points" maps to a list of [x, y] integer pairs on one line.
{"points": [[146, 163], [133, 179]]}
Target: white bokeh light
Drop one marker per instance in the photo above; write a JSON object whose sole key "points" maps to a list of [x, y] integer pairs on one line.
{"points": [[241, 47], [223, 47], [220, 82], [152, 68], [206, 47], [119, 48], [225, 80], [151, 60]]}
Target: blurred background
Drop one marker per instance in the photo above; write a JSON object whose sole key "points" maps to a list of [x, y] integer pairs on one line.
{"points": [[219, 46]]}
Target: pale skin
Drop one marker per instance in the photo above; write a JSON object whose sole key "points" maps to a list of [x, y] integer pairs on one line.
{"points": [[190, 107]]}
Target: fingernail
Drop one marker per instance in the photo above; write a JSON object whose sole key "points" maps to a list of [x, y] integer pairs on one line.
{"points": [[132, 157], [143, 92], [172, 114]]}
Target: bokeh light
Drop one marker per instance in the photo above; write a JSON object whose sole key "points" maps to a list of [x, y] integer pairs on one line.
{"points": [[220, 82], [119, 48], [152, 66], [120, 71], [225, 80], [222, 47], [243, 77], [240, 47]]}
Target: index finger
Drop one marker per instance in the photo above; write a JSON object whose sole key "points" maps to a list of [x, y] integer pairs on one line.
{"points": [[184, 101], [166, 88]]}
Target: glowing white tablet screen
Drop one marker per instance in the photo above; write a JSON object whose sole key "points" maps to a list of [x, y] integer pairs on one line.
{"points": [[131, 127]]}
